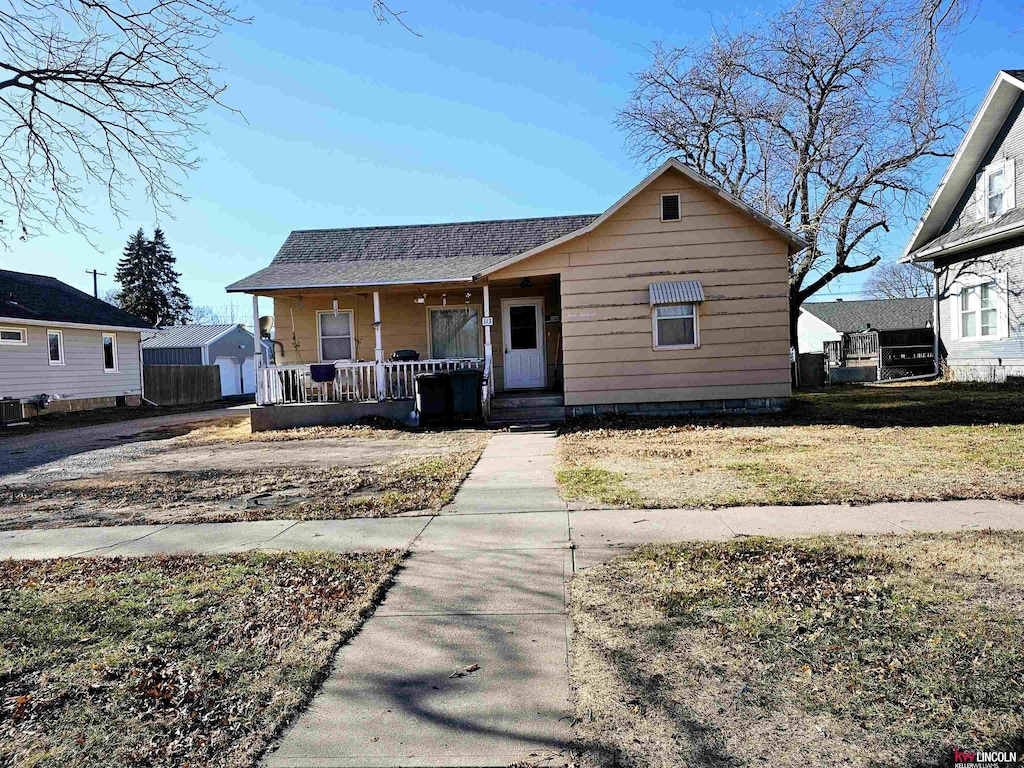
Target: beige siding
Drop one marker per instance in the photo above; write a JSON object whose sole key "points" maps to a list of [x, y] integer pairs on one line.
{"points": [[403, 321], [25, 370], [606, 317]]}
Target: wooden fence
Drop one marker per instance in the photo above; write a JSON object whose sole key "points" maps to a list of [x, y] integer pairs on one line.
{"points": [[182, 384]]}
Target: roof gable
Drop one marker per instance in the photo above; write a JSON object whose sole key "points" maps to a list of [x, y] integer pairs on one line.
{"points": [[879, 314], [38, 298], [445, 253], [997, 105]]}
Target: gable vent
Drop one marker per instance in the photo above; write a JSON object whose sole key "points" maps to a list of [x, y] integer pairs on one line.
{"points": [[670, 207]]}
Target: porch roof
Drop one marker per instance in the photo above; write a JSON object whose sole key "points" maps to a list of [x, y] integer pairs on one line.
{"points": [[426, 253]]}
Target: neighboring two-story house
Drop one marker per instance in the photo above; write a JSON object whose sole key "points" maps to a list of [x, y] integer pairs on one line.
{"points": [[972, 234]]}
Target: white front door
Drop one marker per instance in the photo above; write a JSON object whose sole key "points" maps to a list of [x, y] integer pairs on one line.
{"points": [[522, 324]]}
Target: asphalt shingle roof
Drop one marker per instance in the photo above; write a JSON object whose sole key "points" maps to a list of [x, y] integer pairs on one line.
{"points": [[961, 235], [404, 254], [880, 314], [37, 297], [185, 336]]}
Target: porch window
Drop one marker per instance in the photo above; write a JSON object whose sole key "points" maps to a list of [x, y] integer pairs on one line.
{"points": [[979, 311], [675, 326], [454, 332], [335, 333]]}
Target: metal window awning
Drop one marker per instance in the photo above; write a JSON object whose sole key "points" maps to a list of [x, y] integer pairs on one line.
{"points": [[684, 292]]}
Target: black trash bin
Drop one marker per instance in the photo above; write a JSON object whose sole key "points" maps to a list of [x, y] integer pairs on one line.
{"points": [[467, 388], [433, 397]]}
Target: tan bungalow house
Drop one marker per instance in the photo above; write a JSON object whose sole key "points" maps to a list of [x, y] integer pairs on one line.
{"points": [[672, 300]]}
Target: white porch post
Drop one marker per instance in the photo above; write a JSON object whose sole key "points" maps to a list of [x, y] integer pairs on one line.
{"points": [[257, 350], [488, 351], [379, 348]]}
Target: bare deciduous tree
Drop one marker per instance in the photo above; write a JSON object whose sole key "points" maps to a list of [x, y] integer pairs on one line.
{"points": [[897, 281], [105, 93], [825, 116]]}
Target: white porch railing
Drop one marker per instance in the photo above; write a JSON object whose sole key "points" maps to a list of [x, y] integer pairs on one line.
{"points": [[353, 382]]}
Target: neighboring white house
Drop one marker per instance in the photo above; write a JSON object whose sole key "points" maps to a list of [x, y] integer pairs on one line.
{"points": [[229, 347], [62, 350]]}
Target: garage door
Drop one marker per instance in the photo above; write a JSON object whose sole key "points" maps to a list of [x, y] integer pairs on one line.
{"points": [[248, 377], [230, 377]]}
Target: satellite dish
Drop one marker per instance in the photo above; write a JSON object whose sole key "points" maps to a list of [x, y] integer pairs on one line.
{"points": [[266, 325]]}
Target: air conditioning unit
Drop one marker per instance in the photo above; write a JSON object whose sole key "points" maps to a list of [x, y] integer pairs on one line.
{"points": [[11, 410]]}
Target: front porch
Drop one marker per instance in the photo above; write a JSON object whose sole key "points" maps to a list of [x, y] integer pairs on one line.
{"points": [[508, 330]]}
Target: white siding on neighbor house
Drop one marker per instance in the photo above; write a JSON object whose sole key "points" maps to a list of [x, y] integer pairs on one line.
{"points": [[25, 371], [812, 332]]}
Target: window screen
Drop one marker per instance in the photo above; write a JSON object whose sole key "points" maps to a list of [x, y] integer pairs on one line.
{"points": [[454, 333]]}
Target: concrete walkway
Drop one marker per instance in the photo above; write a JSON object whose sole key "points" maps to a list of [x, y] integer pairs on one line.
{"points": [[465, 662]]}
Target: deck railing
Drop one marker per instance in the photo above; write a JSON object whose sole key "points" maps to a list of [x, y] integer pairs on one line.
{"points": [[353, 381]]}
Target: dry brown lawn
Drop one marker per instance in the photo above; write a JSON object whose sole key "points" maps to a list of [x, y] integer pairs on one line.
{"points": [[832, 652], [175, 661], [848, 445], [221, 472]]}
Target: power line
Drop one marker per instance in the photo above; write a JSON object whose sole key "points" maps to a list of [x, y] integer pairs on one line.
{"points": [[95, 283]]}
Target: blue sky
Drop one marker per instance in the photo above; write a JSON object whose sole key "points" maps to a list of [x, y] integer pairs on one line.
{"points": [[499, 110]]}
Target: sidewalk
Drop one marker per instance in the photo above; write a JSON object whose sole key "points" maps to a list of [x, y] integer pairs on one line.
{"points": [[465, 662]]}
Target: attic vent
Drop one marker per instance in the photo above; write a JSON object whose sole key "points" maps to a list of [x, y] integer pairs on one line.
{"points": [[670, 207]]}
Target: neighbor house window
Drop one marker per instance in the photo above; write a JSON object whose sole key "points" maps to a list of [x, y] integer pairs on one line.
{"points": [[979, 311], [55, 347], [335, 331], [995, 193], [995, 186], [13, 336], [454, 332], [110, 352], [675, 326]]}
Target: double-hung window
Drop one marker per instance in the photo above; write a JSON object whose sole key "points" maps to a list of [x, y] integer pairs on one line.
{"points": [[995, 185], [110, 353], [335, 336], [979, 311], [675, 326], [454, 332], [55, 347]]}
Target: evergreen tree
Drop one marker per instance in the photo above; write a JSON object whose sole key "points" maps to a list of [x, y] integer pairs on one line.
{"points": [[149, 282]]}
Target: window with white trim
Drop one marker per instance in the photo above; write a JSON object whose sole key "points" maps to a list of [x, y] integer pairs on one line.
{"points": [[110, 353], [675, 326], [55, 347], [978, 308], [996, 193], [13, 336], [670, 207], [335, 335]]}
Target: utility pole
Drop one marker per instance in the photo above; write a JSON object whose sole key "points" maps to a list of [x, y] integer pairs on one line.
{"points": [[95, 284]]}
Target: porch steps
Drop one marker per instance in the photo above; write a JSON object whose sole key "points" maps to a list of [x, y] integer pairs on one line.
{"points": [[527, 409]]}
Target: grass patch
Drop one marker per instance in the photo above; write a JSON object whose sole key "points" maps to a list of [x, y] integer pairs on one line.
{"points": [[599, 485], [844, 651], [170, 661], [847, 445]]}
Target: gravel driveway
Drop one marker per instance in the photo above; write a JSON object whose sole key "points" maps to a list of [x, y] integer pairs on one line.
{"points": [[89, 449]]}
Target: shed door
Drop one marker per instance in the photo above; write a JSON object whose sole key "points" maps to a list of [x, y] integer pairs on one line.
{"points": [[523, 335], [230, 376], [248, 377]]}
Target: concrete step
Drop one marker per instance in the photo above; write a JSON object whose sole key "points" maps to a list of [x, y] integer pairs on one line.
{"points": [[522, 402], [545, 412]]}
